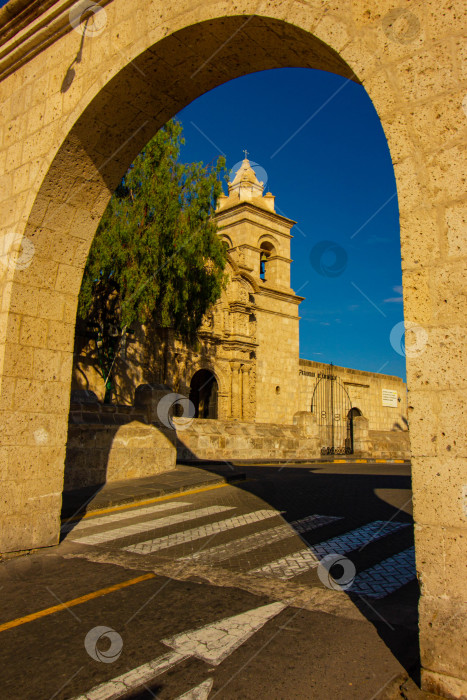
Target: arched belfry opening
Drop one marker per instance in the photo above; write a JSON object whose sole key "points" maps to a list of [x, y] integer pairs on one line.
{"points": [[204, 394], [267, 249]]}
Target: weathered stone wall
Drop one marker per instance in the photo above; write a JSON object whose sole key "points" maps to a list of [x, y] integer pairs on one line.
{"points": [[64, 146], [238, 440], [389, 445], [365, 393], [114, 443], [277, 360]]}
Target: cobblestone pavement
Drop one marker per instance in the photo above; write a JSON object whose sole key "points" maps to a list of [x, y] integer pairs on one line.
{"points": [[232, 531], [344, 557]]}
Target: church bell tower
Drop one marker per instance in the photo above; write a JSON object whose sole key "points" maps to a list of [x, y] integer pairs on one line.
{"points": [[258, 240]]}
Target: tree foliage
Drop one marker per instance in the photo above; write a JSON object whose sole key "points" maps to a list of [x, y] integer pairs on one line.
{"points": [[156, 254]]}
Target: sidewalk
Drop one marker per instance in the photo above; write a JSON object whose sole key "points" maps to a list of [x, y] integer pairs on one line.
{"points": [[182, 478]]}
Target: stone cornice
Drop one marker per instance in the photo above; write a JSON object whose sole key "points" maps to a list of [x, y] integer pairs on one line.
{"points": [[271, 215], [270, 229], [348, 370], [277, 294], [27, 28]]}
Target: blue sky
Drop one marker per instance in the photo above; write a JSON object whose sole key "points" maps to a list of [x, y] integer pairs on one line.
{"points": [[330, 169]]}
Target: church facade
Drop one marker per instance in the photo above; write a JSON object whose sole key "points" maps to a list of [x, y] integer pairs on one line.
{"points": [[246, 365]]}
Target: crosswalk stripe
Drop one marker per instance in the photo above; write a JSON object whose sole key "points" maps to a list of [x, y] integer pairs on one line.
{"points": [[156, 523], [200, 692], [299, 562], [197, 533], [360, 537], [259, 539], [116, 517], [386, 576], [136, 678]]}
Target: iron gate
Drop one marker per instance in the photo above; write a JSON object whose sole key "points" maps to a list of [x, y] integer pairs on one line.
{"points": [[332, 407]]}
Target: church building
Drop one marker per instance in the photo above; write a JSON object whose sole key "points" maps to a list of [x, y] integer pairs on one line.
{"points": [[246, 365]]}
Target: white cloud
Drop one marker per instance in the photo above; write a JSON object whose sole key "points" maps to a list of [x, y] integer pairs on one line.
{"points": [[395, 300]]}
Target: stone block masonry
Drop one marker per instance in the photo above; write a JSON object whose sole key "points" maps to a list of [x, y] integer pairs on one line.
{"points": [[64, 148], [114, 443]]}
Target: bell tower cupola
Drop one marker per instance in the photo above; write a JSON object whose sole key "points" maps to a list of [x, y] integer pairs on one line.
{"points": [[258, 237]]}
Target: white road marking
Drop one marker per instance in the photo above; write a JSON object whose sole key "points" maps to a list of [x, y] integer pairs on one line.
{"points": [[116, 517], [196, 533], [137, 677], [259, 539], [387, 576], [305, 559], [313, 521], [214, 642], [201, 692], [137, 528]]}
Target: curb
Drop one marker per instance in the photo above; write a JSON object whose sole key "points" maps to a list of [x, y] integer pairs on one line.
{"points": [[257, 462], [69, 511]]}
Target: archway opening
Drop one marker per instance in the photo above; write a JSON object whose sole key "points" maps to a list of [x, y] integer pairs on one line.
{"points": [[351, 415], [98, 145], [266, 250], [204, 394]]}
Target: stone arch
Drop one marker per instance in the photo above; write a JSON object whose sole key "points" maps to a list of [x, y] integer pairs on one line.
{"points": [[223, 382], [93, 144], [242, 273], [225, 238], [268, 238], [205, 364], [67, 147]]}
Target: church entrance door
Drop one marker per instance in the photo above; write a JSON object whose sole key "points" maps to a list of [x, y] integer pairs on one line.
{"points": [[203, 394]]}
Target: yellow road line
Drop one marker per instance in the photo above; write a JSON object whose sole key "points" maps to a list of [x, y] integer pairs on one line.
{"points": [[76, 601], [125, 506]]}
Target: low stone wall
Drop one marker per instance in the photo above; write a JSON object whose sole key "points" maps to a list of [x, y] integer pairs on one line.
{"points": [[241, 440], [115, 442], [394, 444], [111, 443]]}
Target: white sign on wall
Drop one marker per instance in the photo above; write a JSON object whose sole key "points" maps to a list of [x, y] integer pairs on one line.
{"points": [[389, 398]]}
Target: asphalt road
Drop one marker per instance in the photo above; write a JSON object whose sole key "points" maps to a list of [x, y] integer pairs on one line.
{"points": [[295, 583]]}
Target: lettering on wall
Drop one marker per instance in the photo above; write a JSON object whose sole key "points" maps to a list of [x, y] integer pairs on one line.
{"points": [[389, 397]]}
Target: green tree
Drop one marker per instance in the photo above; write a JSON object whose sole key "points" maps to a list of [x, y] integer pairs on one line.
{"points": [[156, 254]]}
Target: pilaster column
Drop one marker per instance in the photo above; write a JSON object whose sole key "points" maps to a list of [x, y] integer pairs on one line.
{"points": [[245, 392], [236, 405]]}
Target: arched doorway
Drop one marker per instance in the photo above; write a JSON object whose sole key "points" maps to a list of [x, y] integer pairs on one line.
{"points": [[204, 394], [353, 413]]}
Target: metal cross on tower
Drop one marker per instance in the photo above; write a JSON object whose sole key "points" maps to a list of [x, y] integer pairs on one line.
{"points": [[245, 152]]}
